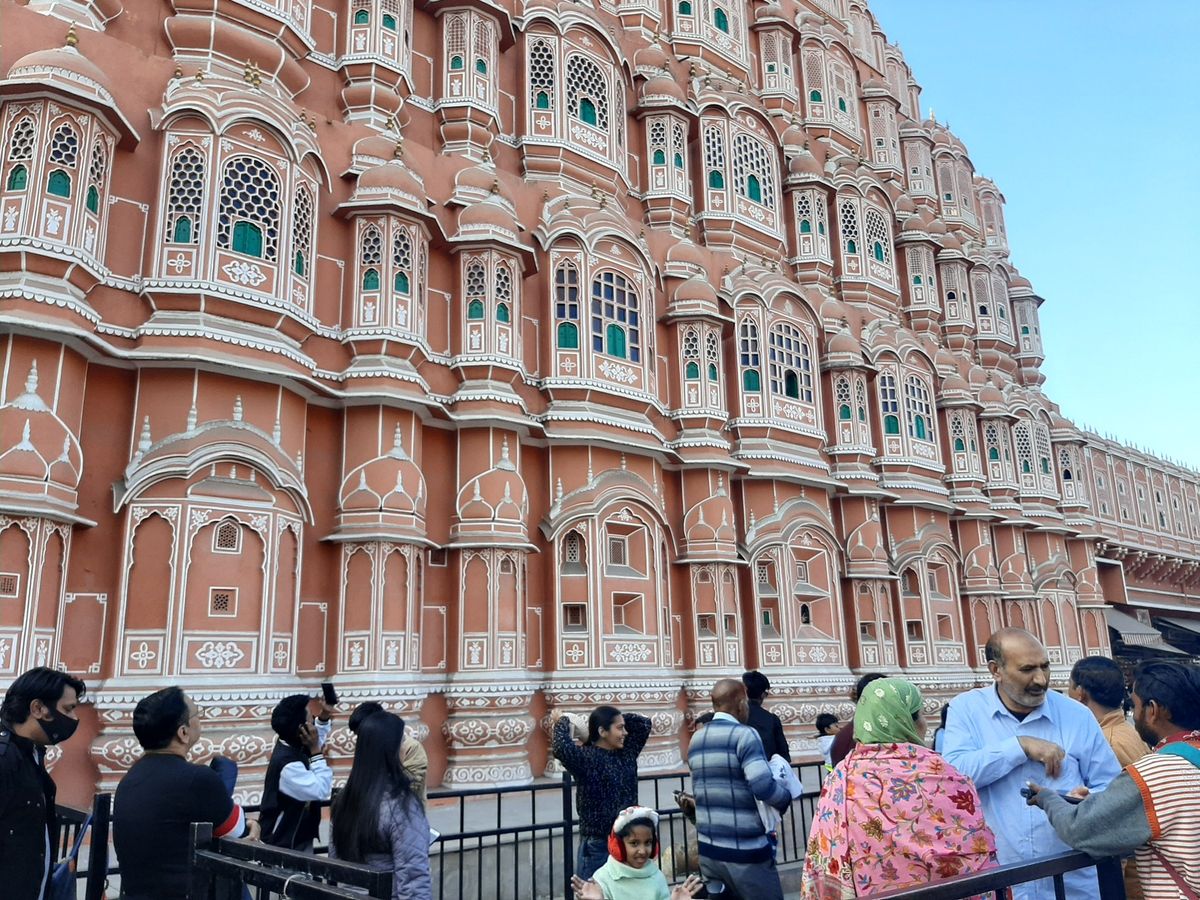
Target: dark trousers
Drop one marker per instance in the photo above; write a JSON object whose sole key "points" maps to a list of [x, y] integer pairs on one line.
{"points": [[743, 881], [593, 853]]}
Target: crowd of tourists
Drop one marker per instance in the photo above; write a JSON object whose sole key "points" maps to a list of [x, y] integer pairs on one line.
{"points": [[1017, 771]]}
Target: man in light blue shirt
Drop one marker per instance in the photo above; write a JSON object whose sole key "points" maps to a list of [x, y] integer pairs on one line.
{"points": [[1018, 730]]}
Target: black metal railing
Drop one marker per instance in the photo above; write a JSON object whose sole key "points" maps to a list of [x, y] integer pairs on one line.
{"points": [[997, 881], [226, 869], [92, 867]]}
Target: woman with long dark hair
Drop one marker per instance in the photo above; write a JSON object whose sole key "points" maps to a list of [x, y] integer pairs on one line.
{"points": [[377, 819], [605, 768]]}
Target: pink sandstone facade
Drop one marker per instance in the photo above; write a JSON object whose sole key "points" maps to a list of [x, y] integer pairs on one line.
{"points": [[498, 357]]}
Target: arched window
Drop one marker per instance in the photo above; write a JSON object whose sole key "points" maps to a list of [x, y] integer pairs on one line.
{"points": [[721, 19], [456, 62], [402, 262], [362, 17], [371, 257], [805, 226], [714, 157], [566, 306], [18, 178], [64, 147], [877, 233], [504, 294], [248, 213], [541, 74], [660, 157], [790, 362], [616, 325], [691, 355], [748, 355], [476, 290], [302, 225], [712, 353], [93, 199], [814, 96], [587, 92], [20, 147], [753, 170], [389, 22], [96, 172], [59, 184], [918, 408], [685, 7], [481, 66], [889, 404], [849, 224], [185, 196]]}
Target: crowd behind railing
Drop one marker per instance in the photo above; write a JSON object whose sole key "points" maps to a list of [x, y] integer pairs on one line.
{"points": [[893, 818]]}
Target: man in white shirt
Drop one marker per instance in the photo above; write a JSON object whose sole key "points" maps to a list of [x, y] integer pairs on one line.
{"points": [[1015, 731]]}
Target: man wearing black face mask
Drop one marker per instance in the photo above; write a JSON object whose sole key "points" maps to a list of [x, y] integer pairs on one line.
{"points": [[38, 710]]}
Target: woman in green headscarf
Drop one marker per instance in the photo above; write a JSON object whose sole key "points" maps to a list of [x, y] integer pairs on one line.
{"points": [[893, 814]]}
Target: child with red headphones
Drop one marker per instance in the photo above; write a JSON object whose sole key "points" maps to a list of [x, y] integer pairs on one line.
{"points": [[631, 873]]}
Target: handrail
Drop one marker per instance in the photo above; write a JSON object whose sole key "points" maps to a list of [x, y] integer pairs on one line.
{"points": [[1111, 884]]}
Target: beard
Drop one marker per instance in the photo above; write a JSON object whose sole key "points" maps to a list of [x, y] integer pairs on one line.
{"points": [[1026, 697], [1145, 733]]}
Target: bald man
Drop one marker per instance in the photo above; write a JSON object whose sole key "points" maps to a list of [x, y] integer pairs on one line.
{"points": [[729, 774], [1015, 731]]}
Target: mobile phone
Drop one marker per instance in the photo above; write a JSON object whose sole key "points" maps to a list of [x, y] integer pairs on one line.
{"points": [[328, 693], [1027, 793]]}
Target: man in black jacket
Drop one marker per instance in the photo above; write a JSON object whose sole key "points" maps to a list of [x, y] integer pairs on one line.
{"points": [[767, 724], [38, 710]]}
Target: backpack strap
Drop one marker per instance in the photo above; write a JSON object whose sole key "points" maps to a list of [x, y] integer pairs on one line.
{"points": [[1187, 751]]}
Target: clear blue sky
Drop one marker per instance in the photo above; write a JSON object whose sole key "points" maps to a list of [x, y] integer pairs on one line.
{"points": [[1087, 116]]}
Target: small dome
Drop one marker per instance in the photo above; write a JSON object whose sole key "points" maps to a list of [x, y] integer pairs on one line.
{"points": [[950, 242], [375, 146], [793, 138], [391, 176], [388, 483], [37, 446], [976, 376], [913, 223], [476, 180], [770, 11], [490, 214], [804, 163], [832, 309], [955, 383], [688, 254], [696, 289], [662, 86], [936, 226], [651, 57], [874, 83], [1020, 281], [945, 359], [904, 204], [989, 395], [844, 342], [47, 64]]}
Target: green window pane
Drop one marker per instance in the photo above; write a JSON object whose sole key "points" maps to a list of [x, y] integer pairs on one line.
{"points": [[753, 188], [820, 228], [182, 232], [542, 101], [685, 7], [568, 336], [959, 446], [751, 381], [660, 158], [370, 280], [791, 384], [993, 454], [891, 425], [362, 17], [389, 22], [247, 239], [616, 341], [1045, 466], [712, 371], [692, 370], [481, 66], [475, 309], [1024, 329], [587, 111], [716, 179], [59, 184], [1025, 470], [18, 179], [919, 428], [862, 414], [805, 226], [842, 103], [814, 96], [679, 160], [917, 279], [721, 20], [851, 247], [844, 412], [93, 199], [298, 263], [877, 251], [456, 62], [502, 313], [401, 283]]}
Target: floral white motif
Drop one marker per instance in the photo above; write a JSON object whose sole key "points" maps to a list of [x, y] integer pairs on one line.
{"points": [[89, 239], [618, 372], [244, 273], [179, 262], [10, 217], [53, 221], [143, 655], [255, 135], [629, 652], [219, 654]]}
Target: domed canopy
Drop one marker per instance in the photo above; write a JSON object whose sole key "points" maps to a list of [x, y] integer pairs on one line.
{"points": [[650, 58], [662, 87], [388, 484], [66, 71], [695, 290], [491, 214]]}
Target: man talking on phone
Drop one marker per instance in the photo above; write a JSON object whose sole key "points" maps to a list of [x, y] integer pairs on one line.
{"points": [[298, 777]]}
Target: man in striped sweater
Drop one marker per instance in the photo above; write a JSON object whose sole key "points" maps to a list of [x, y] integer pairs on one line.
{"points": [[729, 774], [1153, 807]]}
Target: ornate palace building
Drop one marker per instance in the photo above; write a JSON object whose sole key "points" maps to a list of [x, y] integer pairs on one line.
{"points": [[500, 357]]}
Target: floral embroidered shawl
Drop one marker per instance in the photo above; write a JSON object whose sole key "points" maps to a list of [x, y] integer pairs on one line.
{"points": [[892, 816]]}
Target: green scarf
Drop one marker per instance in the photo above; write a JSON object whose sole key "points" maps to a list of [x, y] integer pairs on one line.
{"points": [[885, 711]]}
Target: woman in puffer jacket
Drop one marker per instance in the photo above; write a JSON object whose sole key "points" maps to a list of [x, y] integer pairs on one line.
{"points": [[377, 819]]}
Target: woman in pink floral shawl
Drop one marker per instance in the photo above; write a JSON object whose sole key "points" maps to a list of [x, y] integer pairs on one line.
{"points": [[893, 814]]}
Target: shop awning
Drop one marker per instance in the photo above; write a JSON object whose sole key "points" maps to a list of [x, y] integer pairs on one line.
{"points": [[1137, 634], [1192, 625]]}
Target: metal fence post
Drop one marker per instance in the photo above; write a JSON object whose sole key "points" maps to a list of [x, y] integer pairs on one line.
{"points": [[199, 880], [1111, 878], [568, 835], [97, 873]]}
